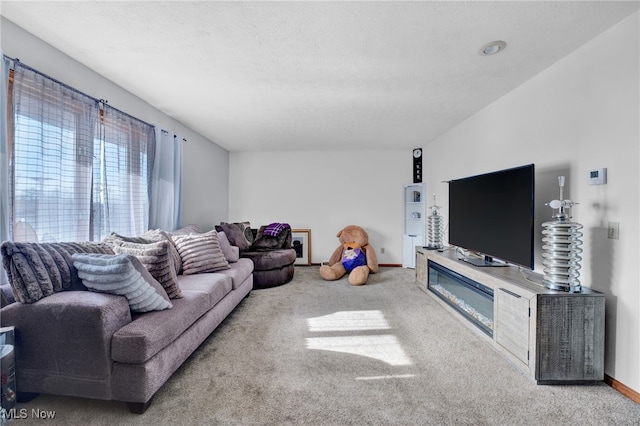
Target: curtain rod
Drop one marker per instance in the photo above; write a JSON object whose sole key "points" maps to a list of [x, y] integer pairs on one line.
{"points": [[174, 135], [103, 101]]}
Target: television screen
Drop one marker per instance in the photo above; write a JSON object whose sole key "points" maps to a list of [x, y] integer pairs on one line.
{"points": [[492, 214]]}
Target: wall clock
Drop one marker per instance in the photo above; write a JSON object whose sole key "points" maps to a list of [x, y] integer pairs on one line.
{"points": [[417, 165]]}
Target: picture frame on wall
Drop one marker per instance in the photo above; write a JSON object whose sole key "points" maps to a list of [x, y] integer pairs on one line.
{"points": [[301, 243]]}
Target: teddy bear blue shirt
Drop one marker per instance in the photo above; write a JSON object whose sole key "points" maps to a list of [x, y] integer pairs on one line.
{"points": [[352, 257]]}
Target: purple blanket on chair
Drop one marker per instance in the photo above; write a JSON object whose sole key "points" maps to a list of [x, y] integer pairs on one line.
{"points": [[274, 229]]}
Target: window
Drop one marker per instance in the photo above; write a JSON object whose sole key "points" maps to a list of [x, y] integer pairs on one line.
{"points": [[121, 173], [80, 169]]}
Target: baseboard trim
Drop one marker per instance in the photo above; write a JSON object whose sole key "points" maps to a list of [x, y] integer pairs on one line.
{"points": [[623, 389]]}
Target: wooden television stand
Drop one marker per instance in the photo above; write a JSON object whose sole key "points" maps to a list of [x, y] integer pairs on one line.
{"points": [[554, 337]]}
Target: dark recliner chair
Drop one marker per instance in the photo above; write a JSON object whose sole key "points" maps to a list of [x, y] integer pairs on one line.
{"points": [[272, 255], [273, 258]]}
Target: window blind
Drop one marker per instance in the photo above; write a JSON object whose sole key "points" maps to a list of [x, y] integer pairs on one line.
{"points": [[79, 167]]}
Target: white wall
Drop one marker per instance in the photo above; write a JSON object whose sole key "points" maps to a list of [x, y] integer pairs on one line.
{"points": [[581, 113], [206, 171], [324, 192]]}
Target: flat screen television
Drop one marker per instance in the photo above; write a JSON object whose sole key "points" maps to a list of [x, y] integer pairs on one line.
{"points": [[492, 214]]}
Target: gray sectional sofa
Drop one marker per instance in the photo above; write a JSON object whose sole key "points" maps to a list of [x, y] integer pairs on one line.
{"points": [[71, 341]]}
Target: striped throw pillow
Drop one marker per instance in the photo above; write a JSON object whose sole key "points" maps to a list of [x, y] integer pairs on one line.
{"points": [[200, 253], [122, 275]]}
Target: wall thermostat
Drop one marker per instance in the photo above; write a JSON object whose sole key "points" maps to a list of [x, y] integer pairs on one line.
{"points": [[597, 176]]}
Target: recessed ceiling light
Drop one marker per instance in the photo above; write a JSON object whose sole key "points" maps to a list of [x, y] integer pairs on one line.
{"points": [[492, 48]]}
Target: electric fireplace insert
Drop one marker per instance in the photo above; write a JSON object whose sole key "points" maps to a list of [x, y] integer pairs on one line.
{"points": [[472, 299]]}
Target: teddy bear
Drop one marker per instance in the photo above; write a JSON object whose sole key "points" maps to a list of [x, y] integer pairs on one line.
{"points": [[354, 255]]}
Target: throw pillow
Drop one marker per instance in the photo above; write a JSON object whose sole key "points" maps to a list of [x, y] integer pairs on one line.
{"points": [[266, 242], [37, 270], [246, 228], [150, 236], [200, 253], [155, 257], [231, 253], [6, 295], [122, 275], [160, 235], [186, 230], [235, 234]]}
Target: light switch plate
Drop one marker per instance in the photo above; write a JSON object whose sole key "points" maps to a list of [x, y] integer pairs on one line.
{"points": [[597, 176]]}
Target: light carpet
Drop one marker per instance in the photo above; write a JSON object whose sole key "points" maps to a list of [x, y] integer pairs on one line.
{"points": [[326, 353]]}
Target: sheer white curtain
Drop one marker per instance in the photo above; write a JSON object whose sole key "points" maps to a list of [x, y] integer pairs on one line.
{"points": [[121, 191], [166, 182], [4, 158]]}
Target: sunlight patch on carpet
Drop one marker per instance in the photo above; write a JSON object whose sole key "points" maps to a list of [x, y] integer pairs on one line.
{"points": [[385, 348], [349, 321]]}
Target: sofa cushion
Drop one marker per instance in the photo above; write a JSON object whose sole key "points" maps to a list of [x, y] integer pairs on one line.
{"points": [[155, 257], [215, 285], [122, 275], [37, 270], [200, 253], [239, 272], [151, 332], [231, 253]]}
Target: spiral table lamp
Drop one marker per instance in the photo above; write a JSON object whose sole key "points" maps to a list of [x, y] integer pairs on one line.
{"points": [[434, 227], [561, 247]]}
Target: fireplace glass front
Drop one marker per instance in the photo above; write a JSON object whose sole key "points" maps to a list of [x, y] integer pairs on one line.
{"points": [[472, 299]]}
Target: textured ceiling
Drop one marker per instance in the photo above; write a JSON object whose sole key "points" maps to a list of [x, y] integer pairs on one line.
{"points": [[316, 75]]}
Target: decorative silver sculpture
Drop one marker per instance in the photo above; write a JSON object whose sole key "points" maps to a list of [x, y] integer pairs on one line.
{"points": [[434, 227], [561, 247]]}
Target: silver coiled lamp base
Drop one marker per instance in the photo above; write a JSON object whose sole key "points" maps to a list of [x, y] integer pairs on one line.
{"points": [[561, 255], [434, 232]]}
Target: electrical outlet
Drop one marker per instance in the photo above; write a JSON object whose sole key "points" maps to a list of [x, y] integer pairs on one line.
{"points": [[613, 230], [381, 250]]}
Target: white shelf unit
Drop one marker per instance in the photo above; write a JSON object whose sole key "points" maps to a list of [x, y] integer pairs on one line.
{"points": [[414, 222]]}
